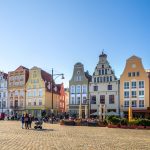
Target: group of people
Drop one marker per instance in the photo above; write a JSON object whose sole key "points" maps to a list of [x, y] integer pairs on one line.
{"points": [[26, 120]]}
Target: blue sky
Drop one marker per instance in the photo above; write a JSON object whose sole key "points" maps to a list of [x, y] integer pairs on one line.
{"points": [[58, 33]]}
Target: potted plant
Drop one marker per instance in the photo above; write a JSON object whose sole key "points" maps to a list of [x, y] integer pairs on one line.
{"points": [[133, 124], [124, 123], [114, 122]]}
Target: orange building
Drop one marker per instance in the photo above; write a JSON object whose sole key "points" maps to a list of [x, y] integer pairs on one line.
{"points": [[135, 88]]}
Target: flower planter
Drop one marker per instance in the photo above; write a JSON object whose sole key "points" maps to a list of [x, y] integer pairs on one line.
{"points": [[132, 127], [124, 126], [140, 127], [147, 127], [112, 126]]}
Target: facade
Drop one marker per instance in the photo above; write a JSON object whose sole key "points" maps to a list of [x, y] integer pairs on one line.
{"points": [[39, 93], [104, 89], [3, 93], [79, 90], [17, 90], [135, 88], [66, 100], [61, 98]]}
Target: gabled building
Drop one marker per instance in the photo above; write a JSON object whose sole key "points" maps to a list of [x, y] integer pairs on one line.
{"points": [[104, 89], [17, 90], [61, 89], [39, 93], [135, 88], [3, 93], [79, 90]]}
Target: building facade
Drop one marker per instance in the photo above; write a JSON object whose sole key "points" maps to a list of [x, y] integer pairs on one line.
{"points": [[66, 100], [134, 88], [79, 90], [3, 93], [104, 89], [39, 93], [61, 98], [17, 90]]}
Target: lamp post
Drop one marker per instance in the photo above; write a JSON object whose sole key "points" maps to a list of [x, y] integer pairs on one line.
{"points": [[52, 84]]}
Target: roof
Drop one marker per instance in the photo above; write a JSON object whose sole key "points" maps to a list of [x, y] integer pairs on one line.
{"points": [[133, 57], [5, 75], [21, 67], [103, 55]]}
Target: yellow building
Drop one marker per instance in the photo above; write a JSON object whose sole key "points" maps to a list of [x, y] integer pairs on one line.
{"points": [[39, 95], [134, 88]]}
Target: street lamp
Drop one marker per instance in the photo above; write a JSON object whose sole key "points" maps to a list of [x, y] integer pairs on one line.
{"points": [[57, 75]]}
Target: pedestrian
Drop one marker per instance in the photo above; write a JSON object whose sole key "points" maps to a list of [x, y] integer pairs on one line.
{"points": [[30, 121], [22, 121], [26, 120]]}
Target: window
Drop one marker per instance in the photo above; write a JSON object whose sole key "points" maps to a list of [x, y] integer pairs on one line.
{"points": [[72, 100], [126, 103], [107, 79], [78, 89], [126, 94], [40, 102], [141, 84], [102, 99], [84, 89], [34, 93], [97, 79], [16, 103], [133, 103], [141, 103], [4, 104], [109, 87], [21, 103], [95, 88], [102, 66], [16, 93], [4, 94], [133, 74], [78, 100], [93, 99], [129, 74], [133, 85], [141, 93], [126, 85], [111, 99], [0, 95], [101, 79], [102, 71], [133, 94], [0, 104], [21, 93], [138, 74], [84, 100], [40, 93], [110, 78], [72, 89], [105, 71], [11, 103], [34, 103], [99, 72]]}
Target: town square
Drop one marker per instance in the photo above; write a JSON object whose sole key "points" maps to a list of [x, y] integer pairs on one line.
{"points": [[74, 75], [59, 137]]}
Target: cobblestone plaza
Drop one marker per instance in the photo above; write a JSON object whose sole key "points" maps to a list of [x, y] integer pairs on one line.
{"points": [[59, 137]]}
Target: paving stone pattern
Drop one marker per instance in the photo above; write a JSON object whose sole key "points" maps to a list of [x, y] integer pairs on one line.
{"points": [[59, 137]]}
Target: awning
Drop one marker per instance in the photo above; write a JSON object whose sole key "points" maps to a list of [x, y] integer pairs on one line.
{"points": [[112, 113]]}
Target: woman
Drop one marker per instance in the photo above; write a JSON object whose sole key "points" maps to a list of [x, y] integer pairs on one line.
{"points": [[26, 120], [22, 121]]}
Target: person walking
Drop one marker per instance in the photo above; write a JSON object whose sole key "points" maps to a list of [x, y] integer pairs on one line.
{"points": [[26, 120], [30, 121], [22, 121]]}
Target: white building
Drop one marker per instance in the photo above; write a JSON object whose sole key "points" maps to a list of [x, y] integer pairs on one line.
{"points": [[3, 93], [104, 89]]}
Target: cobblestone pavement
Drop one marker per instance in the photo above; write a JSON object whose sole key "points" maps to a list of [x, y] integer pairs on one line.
{"points": [[58, 137]]}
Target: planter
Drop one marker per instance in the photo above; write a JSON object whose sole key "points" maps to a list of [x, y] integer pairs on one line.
{"points": [[112, 126], [124, 126], [93, 124], [147, 127], [140, 127], [132, 127]]}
